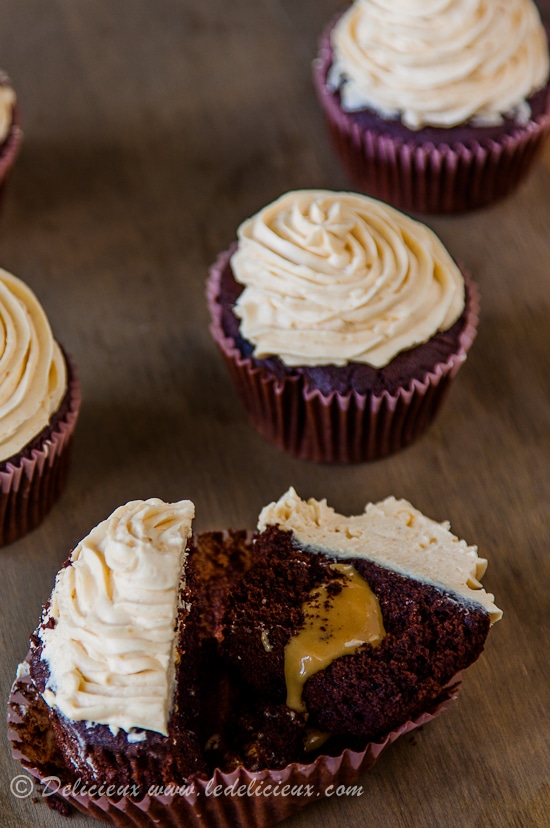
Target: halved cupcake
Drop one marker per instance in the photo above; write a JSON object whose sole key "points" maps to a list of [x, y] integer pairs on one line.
{"points": [[234, 680], [352, 626], [114, 656]]}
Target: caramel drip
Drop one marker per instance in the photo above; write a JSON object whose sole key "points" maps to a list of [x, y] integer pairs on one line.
{"points": [[334, 626], [315, 739]]}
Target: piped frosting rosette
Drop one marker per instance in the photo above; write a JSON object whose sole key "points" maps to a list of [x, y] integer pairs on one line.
{"points": [[439, 106], [39, 402], [333, 279], [440, 63]]}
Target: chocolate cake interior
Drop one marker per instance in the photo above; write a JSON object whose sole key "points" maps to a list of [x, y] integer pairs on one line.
{"points": [[430, 636]]}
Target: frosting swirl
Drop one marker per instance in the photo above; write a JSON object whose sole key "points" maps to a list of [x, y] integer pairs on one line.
{"points": [[393, 534], [111, 649], [440, 62], [332, 278], [33, 373]]}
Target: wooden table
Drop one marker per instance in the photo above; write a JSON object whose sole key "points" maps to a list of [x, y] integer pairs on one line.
{"points": [[151, 130]]}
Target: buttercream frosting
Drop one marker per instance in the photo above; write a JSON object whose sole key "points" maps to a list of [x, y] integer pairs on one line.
{"points": [[440, 62], [7, 102], [110, 649], [391, 533], [33, 373], [335, 277]]}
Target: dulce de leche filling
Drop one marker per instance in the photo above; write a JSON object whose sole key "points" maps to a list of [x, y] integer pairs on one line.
{"points": [[339, 617]]}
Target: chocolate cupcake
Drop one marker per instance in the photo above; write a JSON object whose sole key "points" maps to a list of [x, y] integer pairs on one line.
{"points": [[145, 624], [106, 656], [342, 323], [156, 689], [39, 403], [440, 110], [355, 624]]}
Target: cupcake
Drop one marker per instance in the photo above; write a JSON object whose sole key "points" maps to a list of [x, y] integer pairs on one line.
{"points": [[39, 403], [123, 706], [437, 107], [163, 681], [342, 323], [10, 132], [354, 624]]}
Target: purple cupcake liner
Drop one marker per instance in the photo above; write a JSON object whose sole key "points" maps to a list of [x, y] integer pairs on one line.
{"points": [[431, 177], [240, 797], [31, 482], [335, 428]]}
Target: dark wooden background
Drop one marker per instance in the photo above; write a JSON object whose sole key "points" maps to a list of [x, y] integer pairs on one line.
{"points": [[152, 128]]}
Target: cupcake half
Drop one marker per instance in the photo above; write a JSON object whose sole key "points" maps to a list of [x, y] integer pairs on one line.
{"points": [[354, 624], [342, 323], [106, 655], [440, 110]]}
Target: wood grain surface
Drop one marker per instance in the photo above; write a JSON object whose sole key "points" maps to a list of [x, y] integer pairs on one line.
{"points": [[152, 129]]}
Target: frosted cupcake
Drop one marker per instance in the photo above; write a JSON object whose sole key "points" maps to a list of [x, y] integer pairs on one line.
{"points": [[39, 403], [438, 106], [342, 323]]}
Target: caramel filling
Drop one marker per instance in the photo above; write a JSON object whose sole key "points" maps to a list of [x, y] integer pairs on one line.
{"points": [[315, 739], [334, 625]]}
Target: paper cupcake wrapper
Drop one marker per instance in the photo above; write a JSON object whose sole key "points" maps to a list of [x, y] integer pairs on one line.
{"points": [[335, 428], [428, 178], [234, 798], [30, 485]]}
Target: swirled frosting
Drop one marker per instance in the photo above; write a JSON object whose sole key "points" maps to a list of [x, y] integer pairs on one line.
{"points": [[110, 648], [33, 373], [7, 102], [440, 62], [391, 533], [332, 278]]}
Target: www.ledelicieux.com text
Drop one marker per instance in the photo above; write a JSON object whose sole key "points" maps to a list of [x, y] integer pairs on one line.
{"points": [[53, 785]]}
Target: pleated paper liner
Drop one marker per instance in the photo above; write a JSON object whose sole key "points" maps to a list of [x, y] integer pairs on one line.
{"points": [[336, 428], [427, 178], [240, 798], [32, 481]]}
